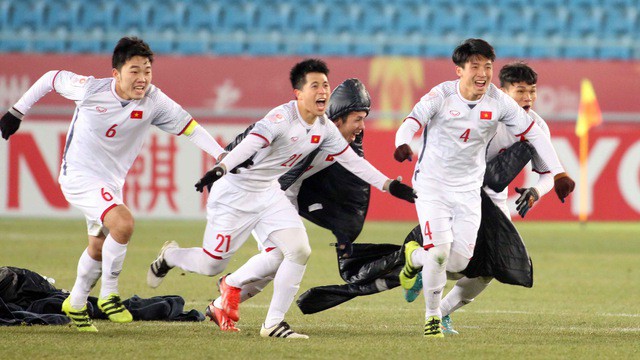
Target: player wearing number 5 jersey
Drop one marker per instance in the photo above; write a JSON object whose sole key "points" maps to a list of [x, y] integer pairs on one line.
{"points": [[253, 199], [111, 120], [459, 118]]}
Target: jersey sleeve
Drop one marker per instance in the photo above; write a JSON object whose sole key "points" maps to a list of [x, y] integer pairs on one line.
{"points": [[515, 118], [272, 126], [65, 83], [420, 116], [334, 143], [537, 163], [168, 115]]}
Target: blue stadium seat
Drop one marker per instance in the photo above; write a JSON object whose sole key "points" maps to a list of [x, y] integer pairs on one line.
{"points": [[229, 43], [515, 49], [29, 14], [309, 17], [376, 17], [202, 16], [265, 44], [615, 52], [411, 19], [90, 41], [166, 15], [369, 45], [580, 51], [188, 43], [272, 16], [18, 41], [340, 17], [515, 20], [133, 16], [236, 16], [408, 45], [51, 42], [545, 47], [584, 21], [161, 42], [338, 45], [441, 48], [618, 22], [60, 13], [550, 21], [481, 20], [96, 14], [301, 44], [445, 20]]}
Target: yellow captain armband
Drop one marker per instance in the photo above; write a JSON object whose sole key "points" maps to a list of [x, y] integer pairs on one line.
{"points": [[190, 127]]}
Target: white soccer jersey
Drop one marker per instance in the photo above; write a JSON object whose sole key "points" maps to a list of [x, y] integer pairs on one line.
{"points": [[457, 132], [290, 139], [107, 132], [322, 161], [503, 140]]}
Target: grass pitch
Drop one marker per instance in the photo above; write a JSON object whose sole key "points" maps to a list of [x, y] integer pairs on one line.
{"points": [[583, 305]]}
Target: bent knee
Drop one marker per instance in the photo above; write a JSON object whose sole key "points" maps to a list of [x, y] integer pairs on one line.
{"points": [[457, 263]]}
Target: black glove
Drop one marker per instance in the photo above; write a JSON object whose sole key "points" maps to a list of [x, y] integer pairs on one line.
{"points": [[246, 164], [527, 197], [210, 177], [402, 153], [344, 248], [9, 124], [402, 191], [563, 185]]}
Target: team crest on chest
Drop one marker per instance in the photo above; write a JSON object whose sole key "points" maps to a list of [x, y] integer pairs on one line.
{"points": [[315, 139]]}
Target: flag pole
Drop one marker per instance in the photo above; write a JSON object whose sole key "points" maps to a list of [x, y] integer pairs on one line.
{"points": [[583, 212]]}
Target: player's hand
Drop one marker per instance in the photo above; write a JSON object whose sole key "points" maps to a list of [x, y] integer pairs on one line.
{"points": [[210, 177], [344, 249], [402, 191], [9, 124], [528, 196], [402, 153], [563, 185]]}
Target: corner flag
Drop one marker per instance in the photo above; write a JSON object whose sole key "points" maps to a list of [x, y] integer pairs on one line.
{"points": [[589, 115]]}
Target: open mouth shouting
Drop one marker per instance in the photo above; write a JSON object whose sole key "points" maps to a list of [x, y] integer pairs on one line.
{"points": [[321, 104]]}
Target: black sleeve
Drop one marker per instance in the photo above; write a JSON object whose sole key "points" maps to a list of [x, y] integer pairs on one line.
{"points": [[503, 168]]}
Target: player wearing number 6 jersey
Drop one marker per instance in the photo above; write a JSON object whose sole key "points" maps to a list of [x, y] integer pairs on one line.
{"points": [[253, 200], [111, 120], [459, 118]]}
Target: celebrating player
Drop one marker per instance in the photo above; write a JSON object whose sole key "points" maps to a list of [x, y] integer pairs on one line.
{"points": [[252, 199], [110, 122], [460, 117]]}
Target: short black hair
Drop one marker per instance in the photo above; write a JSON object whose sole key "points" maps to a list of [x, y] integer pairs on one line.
{"points": [[471, 48], [127, 48], [299, 71], [516, 72]]}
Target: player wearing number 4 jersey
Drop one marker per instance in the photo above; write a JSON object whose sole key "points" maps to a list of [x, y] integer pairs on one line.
{"points": [[110, 122], [252, 199], [459, 118]]}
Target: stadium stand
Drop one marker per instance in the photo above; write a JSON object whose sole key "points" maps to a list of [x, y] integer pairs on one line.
{"points": [[606, 29]]}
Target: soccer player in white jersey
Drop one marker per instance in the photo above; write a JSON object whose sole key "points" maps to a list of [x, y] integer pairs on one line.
{"points": [[110, 122], [252, 199], [518, 80], [459, 118], [349, 106]]}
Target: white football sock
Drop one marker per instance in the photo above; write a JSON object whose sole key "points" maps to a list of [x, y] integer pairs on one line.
{"points": [[113, 254], [88, 273], [463, 292], [195, 260], [259, 267], [285, 286], [434, 278]]}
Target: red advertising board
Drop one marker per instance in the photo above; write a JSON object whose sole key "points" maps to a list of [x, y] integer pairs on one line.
{"points": [[227, 93]]}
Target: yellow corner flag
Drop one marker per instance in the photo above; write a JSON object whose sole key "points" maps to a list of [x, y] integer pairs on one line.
{"points": [[589, 115]]}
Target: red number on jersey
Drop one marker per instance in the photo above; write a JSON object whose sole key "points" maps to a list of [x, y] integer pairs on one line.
{"points": [[427, 230], [223, 239], [112, 131], [106, 195], [465, 135], [291, 160]]}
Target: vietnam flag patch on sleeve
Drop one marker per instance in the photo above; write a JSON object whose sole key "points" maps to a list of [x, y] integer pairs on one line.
{"points": [[136, 114], [485, 115], [315, 139]]}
